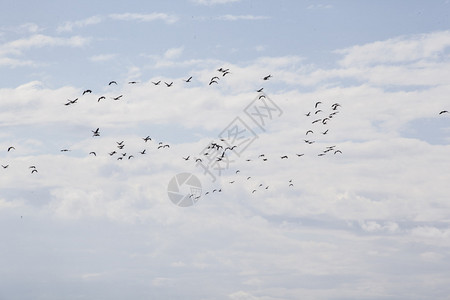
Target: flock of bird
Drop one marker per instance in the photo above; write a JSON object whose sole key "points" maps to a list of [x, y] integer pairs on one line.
{"points": [[319, 117]]}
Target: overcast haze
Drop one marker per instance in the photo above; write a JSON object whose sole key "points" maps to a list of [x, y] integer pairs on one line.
{"points": [[353, 206]]}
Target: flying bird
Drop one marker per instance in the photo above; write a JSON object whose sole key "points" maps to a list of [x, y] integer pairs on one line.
{"points": [[10, 148], [34, 171], [309, 131], [188, 80], [92, 152], [71, 102], [168, 84], [87, 91], [117, 98], [260, 90], [317, 103], [186, 158], [444, 112], [284, 157], [96, 132], [101, 98], [112, 82], [156, 83], [132, 82], [267, 77], [147, 138], [4, 167]]}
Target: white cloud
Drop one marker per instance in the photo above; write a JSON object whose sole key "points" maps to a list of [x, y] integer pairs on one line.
{"points": [[70, 25], [103, 57], [396, 50], [144, 17], [38, 41], [242, 17], [319, 6]]}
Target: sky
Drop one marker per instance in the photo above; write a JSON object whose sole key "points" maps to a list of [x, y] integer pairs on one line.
{"points": [[336, 187]]}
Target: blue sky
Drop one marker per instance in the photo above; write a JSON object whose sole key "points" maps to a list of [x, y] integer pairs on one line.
{"points": [[357, 208]]}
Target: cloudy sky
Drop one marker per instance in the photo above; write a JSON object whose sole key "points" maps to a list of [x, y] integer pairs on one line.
{"points": [[358, 208]]}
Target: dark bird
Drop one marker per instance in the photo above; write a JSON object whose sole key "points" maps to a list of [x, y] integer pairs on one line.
{"points": [[101, 98], [321, 154], [325, 132], [214, 78], [315, 121], [260, 90], [198, 160], [96, 132], [65, 150], [131, 156], [188, 80], [291, 184], [299, 155], [212, 81], [308, 114], [267, 77], [317, 103], [335, 106], [156, 83], [132, 82], [92, 152], [168, 84], [232, 181], [120, 143], [249, 177], [34, 171], [112, 82], [337, 151], [253, 191], [147, 138], [262, 96], [120, 146], [443, 112], [225, 73], [4, 167], [142, 152], [32, 167], [324, 121], [112, 153], [10, 148], [87, 91], [284, 157], [186, 158], [71, 102], [237, 171], [309, 131], [166, 146], [120, 158], [117, 98], [318, 111]]}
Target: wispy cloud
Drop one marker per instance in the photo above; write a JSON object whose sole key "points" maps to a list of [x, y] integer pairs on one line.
{"points": [[144, 17], [102, 57], [320, 6], [242, 17], [69, 26], [396, 50]]}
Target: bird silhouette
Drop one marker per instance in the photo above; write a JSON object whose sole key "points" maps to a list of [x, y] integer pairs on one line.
{"points": [[117, 98], [34, 171], [284, 157], [267, 77], [10, 148], [168, 84], [112, 82], [71, 102], [156, 83], [444, 112], [317, 103], [101, 98], [188, 80], [6, 166], [92, 152], [87, 91]]}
